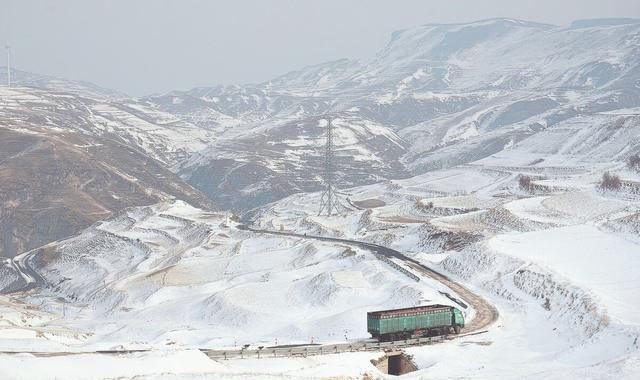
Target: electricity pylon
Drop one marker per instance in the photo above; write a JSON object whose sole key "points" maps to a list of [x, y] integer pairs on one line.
{"points": [[329, 198]]}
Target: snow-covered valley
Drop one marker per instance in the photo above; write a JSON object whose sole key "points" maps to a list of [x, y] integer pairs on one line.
{"points": [[560, 261], [560, 267], [196, 281], [477, 151]]}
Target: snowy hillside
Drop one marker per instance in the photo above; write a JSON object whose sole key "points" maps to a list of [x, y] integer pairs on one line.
{"points": [[67, 161], [27, 79], [558, 258], [476, 150], [175, 276], [451, 94]]}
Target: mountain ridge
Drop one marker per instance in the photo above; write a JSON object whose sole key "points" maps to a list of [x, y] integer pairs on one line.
{"points": [[454, 94], [501, 81]]}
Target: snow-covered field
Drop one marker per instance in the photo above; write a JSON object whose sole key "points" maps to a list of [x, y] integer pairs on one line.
{"points": [[560, 262], [558, 265], [183, 364], [172, 276], [442, 124]]}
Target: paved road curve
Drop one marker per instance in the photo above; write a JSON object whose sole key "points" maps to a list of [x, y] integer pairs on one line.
{"points": [[23, 264], [486, 313]]}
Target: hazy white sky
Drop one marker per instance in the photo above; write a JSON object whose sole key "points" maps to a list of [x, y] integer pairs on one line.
{"points": [[145, 46]]}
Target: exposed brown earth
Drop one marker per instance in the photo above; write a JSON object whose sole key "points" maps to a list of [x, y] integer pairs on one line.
{"points": [[52, 185]]}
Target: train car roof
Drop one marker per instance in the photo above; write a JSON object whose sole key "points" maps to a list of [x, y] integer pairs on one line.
{"points": [[416, 309]]}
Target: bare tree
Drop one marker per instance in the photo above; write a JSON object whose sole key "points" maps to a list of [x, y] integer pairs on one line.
{"points": [[424, 206], [633, 162], [525, 183], [610, 182]]}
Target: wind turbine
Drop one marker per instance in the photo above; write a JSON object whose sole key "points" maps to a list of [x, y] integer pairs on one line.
{"points": [[8, 65]]}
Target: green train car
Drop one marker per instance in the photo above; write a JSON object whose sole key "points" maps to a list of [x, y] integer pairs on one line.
{"points": [[414, 322]]}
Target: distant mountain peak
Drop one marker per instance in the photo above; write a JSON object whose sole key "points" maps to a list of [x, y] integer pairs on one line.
{"points": [[495, 20], [602, 22], [53, 83], [476, 30]]}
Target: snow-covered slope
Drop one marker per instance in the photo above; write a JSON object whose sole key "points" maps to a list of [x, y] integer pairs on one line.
{"points": [[558, 259], [89, 90], [451, 94], [175, 275], [141, 126], [67, 161]]}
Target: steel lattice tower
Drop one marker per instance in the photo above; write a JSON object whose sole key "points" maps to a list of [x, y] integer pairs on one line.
{"points": [[329, 199]]}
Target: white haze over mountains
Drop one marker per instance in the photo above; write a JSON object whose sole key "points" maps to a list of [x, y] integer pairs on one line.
{"points": [[150, 46], [432, 137]]}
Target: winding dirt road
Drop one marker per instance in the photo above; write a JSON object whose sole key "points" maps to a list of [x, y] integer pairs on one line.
{"points": [[486, 314], [23, 265]]}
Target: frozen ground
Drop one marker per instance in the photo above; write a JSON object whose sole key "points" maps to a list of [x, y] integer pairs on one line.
{"points": [[172, 276], [187, 364], [560, 261]]}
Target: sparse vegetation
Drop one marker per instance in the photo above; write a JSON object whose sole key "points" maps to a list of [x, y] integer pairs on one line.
{"points": [[536, 162], [633, 162], [525, 183], [610, 182], [424, 206]]}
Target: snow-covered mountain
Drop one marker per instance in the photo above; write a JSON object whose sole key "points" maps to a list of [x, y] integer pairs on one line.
{"points": [[434, 134], [434, 97], [67, 161], [173, 274], [28, 79]]}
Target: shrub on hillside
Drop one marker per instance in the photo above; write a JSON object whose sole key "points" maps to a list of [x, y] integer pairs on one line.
{"points": [[610, 182], [525, 183], [633, 162], [423, 206]]}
